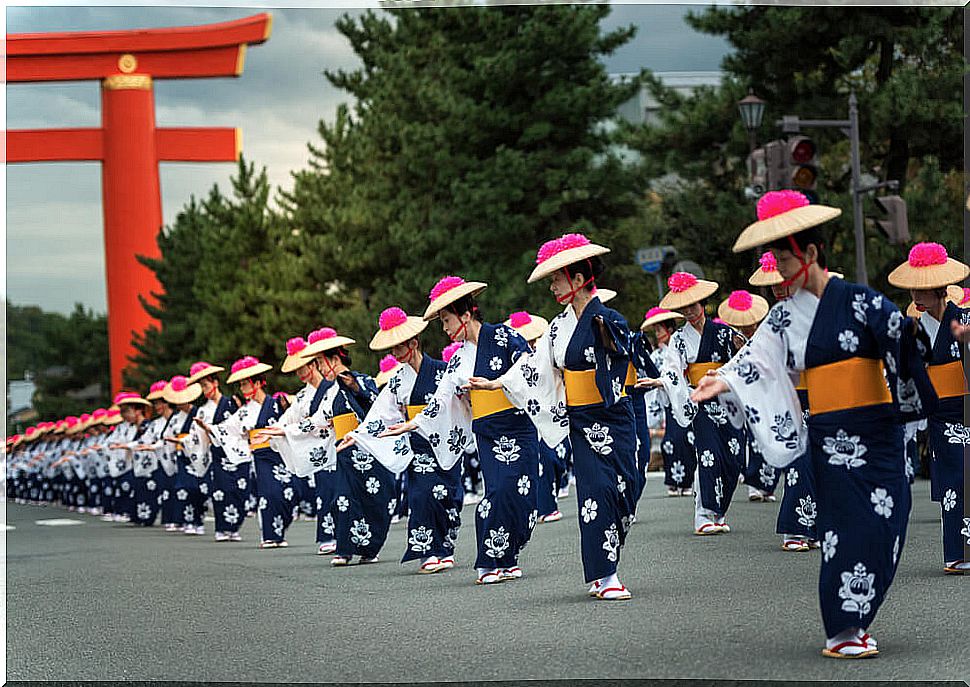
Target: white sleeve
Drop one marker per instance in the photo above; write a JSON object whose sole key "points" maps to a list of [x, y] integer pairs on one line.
{"points": [[308, 443], [446, 422], [394, 453], [763, 392], [676, 387], [232, 434], [534, 384]]}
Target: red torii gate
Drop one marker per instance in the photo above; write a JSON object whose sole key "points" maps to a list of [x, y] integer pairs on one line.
{"points": [[128, 144]]}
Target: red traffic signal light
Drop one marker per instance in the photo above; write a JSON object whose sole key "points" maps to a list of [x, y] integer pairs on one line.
{"points": [[802, 164]]}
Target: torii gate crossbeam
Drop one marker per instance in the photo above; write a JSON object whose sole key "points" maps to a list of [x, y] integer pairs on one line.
{"points": [[128, 144]]}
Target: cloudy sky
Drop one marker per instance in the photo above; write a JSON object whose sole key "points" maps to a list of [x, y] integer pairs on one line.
{"points": [[54, 235]]}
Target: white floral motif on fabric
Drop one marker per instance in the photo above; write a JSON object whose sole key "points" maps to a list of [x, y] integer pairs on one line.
{"points": [[882, 502], [588, 511], [421, 539], [791, 479], [360, 533], [484, 508], [497, 543], [949, 500], [829, 545], [506, 450], [956, 433], [439, 492], [144, 511], [858, 590], [277, 525], [343, 503], [612, 542], [524, 484], [707, 458], [846, 450], [807, 511], [678, 472], [599, 439]]}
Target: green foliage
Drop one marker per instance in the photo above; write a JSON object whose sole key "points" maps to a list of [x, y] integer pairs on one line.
{"points": [[66, 355], [906, 66], [475, 136]]}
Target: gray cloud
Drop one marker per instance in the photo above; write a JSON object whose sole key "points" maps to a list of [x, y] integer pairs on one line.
{"points": [[54, 221]]}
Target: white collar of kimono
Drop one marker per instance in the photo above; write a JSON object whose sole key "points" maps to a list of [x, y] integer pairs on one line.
{"points": [[692, 341], [566, 323], [466, 361], [801, 307], [931, 326], [407, 377]]}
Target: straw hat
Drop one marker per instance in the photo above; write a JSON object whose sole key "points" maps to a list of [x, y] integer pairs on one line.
{"points": [[247, 367], [767, 274], [97, 417], [130, 398], [203, 369], [742, 309], [179, 391], [928, 267], [685, 289], [562, 252], [156, 390], [323, 340], [73, 425], [605, 295], [447, 291], [781, 214], [395, 327], [388, 366], [958, 295], [112, 417], [837, 275], [294, 355], [658, 315], [531, 327]]}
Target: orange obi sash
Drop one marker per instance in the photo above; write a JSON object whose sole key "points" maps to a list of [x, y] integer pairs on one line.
{"points": [[948, 379], [344, 424], [253, 433], [581, 389], [486, 402], [802, 384], [696, 371], [181, 438], [631, 376], [850, 383], [414, 411]]}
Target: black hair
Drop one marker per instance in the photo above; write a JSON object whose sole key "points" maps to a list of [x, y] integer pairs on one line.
{"points": [[341, 353], [463, 305], [591, 269], [802, 240], [255, 379]]}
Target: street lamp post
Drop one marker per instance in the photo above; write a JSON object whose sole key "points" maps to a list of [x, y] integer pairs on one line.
{"points": [[752, 110]]}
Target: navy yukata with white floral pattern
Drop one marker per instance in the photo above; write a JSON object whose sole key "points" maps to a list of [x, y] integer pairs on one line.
{"points": [[858, 452]]}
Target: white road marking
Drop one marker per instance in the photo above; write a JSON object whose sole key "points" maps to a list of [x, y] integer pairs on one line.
{"points": [[58, 522]]}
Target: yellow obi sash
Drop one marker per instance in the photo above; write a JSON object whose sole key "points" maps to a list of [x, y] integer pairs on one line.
{"points": [[802, 384], [181, 438], [696, 371], [851, 383], [414, 411], [343, 424], [581, 389], [252, 435], [485, 402], [631, 376], [948, 379]]}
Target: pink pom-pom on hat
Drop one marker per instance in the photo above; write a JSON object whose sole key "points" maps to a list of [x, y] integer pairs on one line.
{"points": [[444, 285], [927, 254], [179, 383], [768, 262], [655, 311], [198, 367], [158, 386], [681, 281], [388, 363], [85, 417], [556, 246], [740, 300], [519, 319], [99, 413], [392, 317], [71, 420], [124, 395], [966, 296], [449, 351], [320, 335], [243, 363], [295, 345], [775, 203]]}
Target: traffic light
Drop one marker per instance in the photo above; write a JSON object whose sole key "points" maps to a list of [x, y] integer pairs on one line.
{"points": [[767, 168], [802, 166], [896, 224]]}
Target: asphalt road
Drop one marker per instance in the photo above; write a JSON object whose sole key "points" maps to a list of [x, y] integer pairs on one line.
{"points": [[112, 602]]}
